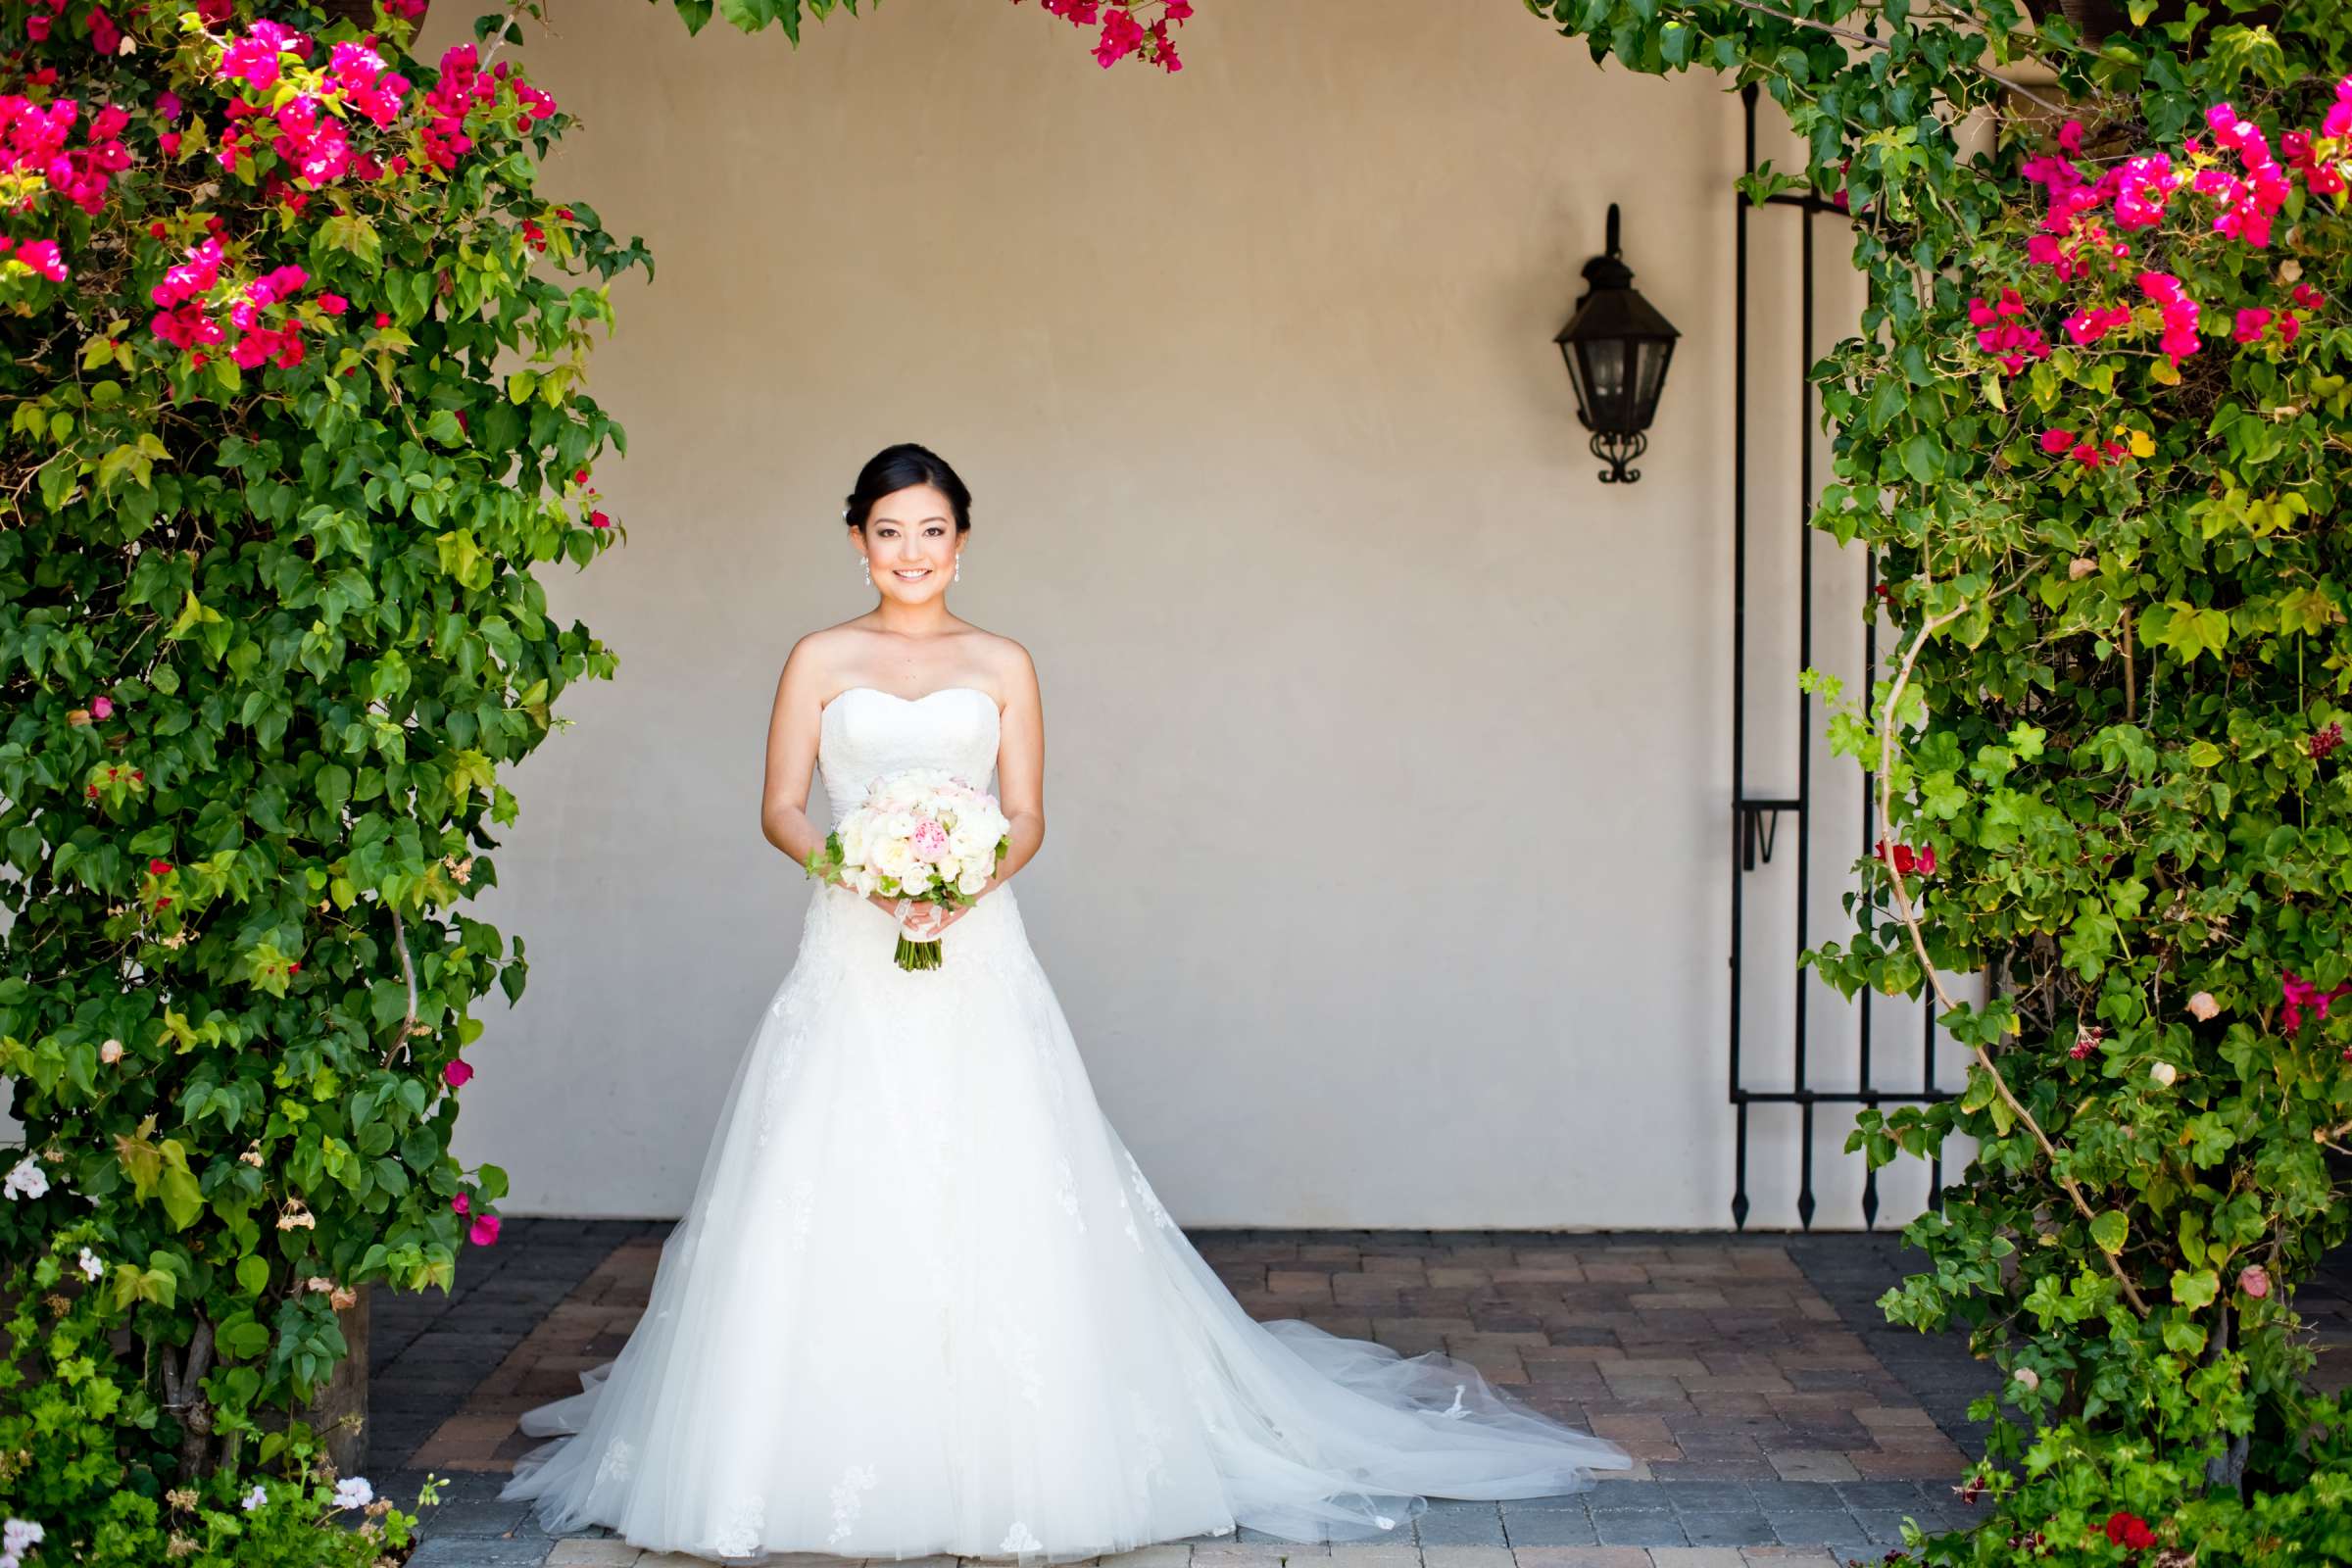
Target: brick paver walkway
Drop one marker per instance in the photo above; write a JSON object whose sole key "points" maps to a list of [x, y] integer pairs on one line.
{"points": [[1775, 1417]]}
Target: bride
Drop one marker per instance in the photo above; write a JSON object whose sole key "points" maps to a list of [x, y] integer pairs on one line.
{"points": [[923, 1301]]}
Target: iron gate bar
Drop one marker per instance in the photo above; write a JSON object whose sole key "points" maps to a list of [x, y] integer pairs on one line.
{"points": [[1753, 817]]}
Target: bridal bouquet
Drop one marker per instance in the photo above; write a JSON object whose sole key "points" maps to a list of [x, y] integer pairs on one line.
{"points": [[920, 834]]}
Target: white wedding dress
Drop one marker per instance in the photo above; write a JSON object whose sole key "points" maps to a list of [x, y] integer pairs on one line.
{"points": [[924, 1302]]}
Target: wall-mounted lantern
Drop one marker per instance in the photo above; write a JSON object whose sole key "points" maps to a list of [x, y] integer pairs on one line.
{"points": [[1616, 345]]}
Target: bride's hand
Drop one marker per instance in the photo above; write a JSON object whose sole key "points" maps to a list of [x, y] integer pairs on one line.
{"points": [[921, 919]]}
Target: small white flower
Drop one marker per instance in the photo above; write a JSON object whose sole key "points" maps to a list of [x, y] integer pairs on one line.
{"points": [[19, 1534], [354, 1492], [26, 1180], [2027, 1378], [2164, 1072], [255, 1498], [111, 1052], [90, 1264]]}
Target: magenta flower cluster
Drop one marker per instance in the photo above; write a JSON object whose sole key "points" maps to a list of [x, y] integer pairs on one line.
{"points": [[2090, 226], [1121, 35]]}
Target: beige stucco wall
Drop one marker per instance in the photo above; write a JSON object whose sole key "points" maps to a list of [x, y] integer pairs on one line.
{"points": [[1387, 757]]}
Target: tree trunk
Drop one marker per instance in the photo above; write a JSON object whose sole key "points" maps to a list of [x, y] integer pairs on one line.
{"points": [[183, 1396]]}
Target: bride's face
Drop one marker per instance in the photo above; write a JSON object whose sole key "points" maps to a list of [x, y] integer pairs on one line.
{"points": [[909, 543]]}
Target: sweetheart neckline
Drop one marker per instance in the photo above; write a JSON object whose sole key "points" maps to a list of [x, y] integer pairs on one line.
{"points": [[910, 702]]}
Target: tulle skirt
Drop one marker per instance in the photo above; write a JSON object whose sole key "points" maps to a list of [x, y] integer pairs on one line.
{"points": [[925, 1301]]}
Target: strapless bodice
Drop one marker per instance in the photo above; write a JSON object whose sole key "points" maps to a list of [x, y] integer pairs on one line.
{"points": [[865, 733]]}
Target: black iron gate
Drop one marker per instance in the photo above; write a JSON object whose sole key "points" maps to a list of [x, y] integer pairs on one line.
{"points": [[1756, 819]]}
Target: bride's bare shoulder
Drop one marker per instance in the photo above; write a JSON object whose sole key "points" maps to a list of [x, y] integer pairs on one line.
{"points": [[1009, 662], [816, 655]]}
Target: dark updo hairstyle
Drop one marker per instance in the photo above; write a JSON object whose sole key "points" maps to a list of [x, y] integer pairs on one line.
{"points": [[894, 469]]}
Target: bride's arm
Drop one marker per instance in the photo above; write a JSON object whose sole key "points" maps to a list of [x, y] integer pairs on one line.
{"points": [[1021, 763], [791, 758]]}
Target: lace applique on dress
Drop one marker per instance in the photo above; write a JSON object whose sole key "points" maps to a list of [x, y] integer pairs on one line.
{"points": [[803, 1210], [1150, 1201], [739, 1537], [1019, 1539], [615, 1464], [849, 1497], [1066, 1192], [1150, 1435], [1020, 1358]]}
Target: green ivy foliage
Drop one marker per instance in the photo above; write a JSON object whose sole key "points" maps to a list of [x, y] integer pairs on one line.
{"points": [[271, 633], [2113, 563]]}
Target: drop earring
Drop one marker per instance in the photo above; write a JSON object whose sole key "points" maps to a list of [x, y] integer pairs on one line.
{"points": [[868, 567], [960, 565]]}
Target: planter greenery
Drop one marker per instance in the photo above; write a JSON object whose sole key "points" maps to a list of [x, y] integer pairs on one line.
{"points": [[2094, 423]]}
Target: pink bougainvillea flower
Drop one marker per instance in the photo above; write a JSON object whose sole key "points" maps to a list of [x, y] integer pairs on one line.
{"points": [[456, 1072], [2306, 297], [2142, 190], [254, 59], [2297, 994], [333, 304], [2087, 325], [597, 520], [2057, 441], [462, 1204], [2254, 1280], [2178, 311], [102, 707], [484, 1230], [2252, 321], [41, 256], [159, 868]]}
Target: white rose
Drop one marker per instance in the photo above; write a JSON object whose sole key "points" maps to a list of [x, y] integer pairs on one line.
{"points": [[894, 857], [2164, 1072], [972, 881]]}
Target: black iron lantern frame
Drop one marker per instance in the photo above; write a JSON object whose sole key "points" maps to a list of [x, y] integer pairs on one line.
{"points": [[1617, 346]]}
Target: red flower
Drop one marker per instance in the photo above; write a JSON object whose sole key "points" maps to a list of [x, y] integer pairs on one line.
{"points": [[159, 868], [2130, 1530], [382, 321], [1907, 860], [2323, 741], [597, 520], [461, 1204], [456, 1072]]}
